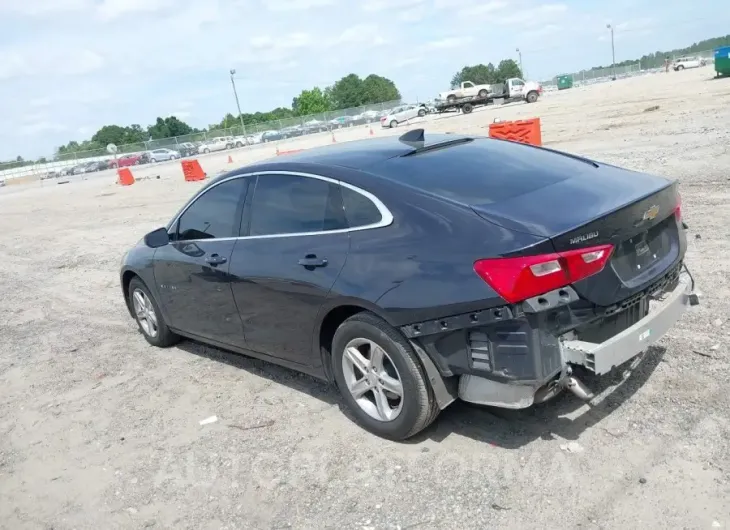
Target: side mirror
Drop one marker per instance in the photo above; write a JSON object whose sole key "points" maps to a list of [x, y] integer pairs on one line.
{"points": [[157, 238]]}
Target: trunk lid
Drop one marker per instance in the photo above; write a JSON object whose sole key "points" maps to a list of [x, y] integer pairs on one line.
{"points": [[633, 211]]}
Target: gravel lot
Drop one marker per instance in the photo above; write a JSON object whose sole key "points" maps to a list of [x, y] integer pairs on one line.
{"points": [[99, 430]]}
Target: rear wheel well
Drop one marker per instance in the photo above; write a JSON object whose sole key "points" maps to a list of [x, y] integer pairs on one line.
{"points": [[331, 322]]}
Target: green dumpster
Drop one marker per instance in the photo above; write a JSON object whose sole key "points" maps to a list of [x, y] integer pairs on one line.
{"points": [[565, 81], [722, 60]]}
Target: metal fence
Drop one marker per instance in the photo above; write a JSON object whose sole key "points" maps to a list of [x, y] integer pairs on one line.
{"points": [[600, 75], [253, 133]]}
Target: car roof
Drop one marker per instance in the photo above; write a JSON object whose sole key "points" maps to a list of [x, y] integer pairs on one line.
{"points": [[361, 154]]}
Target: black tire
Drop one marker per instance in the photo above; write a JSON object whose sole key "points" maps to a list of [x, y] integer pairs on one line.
{"points": [[451, 98], [153, 160], [164, 337], [419, 407], [421, 113], [483, 93], [531, 96], [393, 124], [680, 67], [467, 108]]}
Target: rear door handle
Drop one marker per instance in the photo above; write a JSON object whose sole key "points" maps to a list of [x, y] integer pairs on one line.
{"points": [[215, 259], [311, 261]]}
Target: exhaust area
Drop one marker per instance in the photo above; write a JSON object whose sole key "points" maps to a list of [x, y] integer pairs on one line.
{"points": [[577, 387]]}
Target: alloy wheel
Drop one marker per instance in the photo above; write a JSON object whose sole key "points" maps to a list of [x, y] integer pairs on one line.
{"points": [[145, 312], [372, 379]]}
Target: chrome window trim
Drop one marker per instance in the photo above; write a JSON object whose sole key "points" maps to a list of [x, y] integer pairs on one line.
{"points": [[386, 217]]}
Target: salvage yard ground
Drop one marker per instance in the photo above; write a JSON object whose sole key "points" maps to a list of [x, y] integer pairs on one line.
{"points": [[100, 430]]}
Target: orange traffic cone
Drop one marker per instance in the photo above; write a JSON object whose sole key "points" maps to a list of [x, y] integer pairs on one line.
{"points": [[371, 131], [277, 150], [192, 170], [230, 159], [125, 177], [333, 138]]}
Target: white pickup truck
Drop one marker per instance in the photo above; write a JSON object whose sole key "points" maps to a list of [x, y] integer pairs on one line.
{"points": [[513, 89], [465, 90]]}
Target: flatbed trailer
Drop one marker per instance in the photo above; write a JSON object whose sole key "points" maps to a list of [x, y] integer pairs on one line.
{"points": [[465, 105]]}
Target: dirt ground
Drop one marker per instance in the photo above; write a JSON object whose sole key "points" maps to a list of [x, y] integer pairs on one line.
{"points": [[100, 430]]}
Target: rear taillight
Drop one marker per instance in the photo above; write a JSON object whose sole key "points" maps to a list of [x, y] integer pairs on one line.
{"points": [[678, 208], [517, 279]]}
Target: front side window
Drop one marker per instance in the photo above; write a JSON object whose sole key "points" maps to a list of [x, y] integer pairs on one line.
{"points": [[215, 214], [291, 204]]}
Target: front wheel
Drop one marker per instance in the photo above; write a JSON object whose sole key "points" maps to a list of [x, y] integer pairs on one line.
{"points": [[421, 113], [153, 160], [206, 150], [393, 124], [531, 97], [148, 316], [381, 379], [483, 93]]}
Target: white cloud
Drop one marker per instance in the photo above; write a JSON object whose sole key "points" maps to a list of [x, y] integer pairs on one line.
{"points": [[375, 6], [449, 43], [480, 10], [37, 60], [42, 7], [295, 5], [112, 9], [31, 129], [533, 17]]}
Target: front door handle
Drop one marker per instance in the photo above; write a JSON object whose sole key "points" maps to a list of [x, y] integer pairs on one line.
{"points": [[311, 261], [215, 260]]}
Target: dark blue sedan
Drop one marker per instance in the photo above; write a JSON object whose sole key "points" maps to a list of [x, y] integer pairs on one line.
{"points": [[413, 271]]}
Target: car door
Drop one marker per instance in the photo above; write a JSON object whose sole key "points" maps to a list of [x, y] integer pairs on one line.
{"points": [[284, 268], [192, 271], [516, 88]]}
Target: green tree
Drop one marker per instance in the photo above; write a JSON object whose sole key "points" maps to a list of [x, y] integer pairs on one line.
{"points": [[507, 69], [347, 92], [310, 102], [479, 74], [377, 89], [169, 127]]}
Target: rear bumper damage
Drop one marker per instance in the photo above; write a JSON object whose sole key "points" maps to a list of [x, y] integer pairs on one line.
{"points": [[599, 358]]}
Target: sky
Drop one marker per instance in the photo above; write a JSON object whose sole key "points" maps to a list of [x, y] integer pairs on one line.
{"points": [[67, 67]]}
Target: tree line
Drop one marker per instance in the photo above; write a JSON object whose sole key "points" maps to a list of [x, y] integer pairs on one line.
{"points": [[482, 74], [656, 59]]}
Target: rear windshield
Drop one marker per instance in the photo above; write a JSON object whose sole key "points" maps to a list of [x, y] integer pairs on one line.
{"points": [[483, 171]]}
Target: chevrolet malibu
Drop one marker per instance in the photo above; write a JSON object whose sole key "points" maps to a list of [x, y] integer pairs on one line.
{"points": [[418, 270]]}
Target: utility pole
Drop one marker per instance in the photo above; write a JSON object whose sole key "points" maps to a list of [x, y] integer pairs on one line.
{"points": [[613, 51], [521, 69], [240, 115]]}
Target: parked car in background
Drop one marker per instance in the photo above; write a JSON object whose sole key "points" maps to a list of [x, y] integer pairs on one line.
{"points": [[341, 121], [163, 154], [401, 114], [315, 126], [681, 63], [96, 165], [132, 159], [215, 144], [236, 141], [78, 169], [341, 262], [271, 136], [187, 149]]}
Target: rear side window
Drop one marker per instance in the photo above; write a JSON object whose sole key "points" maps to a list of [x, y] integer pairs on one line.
{"points": [[215, 214], [360, 210], [291, 204]]}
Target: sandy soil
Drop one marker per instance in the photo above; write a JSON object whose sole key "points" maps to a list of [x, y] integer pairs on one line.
{"points": [[99, 430]]}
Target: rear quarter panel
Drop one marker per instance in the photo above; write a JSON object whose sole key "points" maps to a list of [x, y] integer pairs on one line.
{"points": [[421, 266]]}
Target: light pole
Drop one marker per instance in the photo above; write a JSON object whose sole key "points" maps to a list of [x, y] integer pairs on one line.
{"points": [[235, 93], [613, 52], [520, 55]]}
